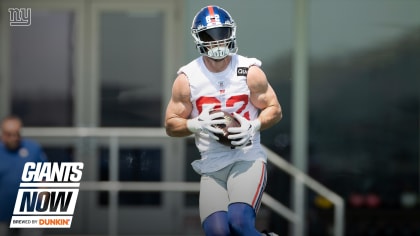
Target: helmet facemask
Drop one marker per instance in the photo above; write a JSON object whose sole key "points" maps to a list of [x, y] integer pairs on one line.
{"points": [[216, 43]]}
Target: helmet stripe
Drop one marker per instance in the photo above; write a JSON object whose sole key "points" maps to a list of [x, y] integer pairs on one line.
{"points": [[211, 12]]}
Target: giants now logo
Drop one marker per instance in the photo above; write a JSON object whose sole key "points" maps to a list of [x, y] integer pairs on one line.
{"points": [[47, 195]]}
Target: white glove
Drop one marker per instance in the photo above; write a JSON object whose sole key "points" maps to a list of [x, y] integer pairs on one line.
{"points": [[240, 136], [205, 121]]}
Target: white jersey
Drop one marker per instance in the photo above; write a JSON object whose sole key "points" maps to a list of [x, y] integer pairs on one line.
{"points": [[229, 91]]}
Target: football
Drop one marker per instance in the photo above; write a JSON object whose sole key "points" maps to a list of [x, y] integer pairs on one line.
{"points": [[230, 122]]}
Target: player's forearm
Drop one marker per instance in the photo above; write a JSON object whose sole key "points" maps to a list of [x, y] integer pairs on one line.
{"points": [[270, 116], [177, 127]]}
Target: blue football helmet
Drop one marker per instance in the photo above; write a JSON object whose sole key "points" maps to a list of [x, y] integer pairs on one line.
{"points": [[214, 32]]}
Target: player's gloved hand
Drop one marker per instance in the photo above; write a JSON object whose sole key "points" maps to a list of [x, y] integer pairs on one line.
{"points": [[205, 121], [240, 136]]}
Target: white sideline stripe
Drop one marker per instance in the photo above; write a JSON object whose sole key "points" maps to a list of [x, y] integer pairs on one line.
{"points": [[47, 185]]}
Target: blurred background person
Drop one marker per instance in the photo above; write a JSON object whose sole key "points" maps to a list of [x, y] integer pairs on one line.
{"points": [[15, 151]]}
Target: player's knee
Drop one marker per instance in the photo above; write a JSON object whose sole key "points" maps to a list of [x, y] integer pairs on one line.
{"points": [[216, 225], [238, 225], [241, 218]]}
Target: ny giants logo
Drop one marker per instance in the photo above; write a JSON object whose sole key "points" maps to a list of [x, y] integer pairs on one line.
{"points": [[47, 195], [20, 16]]}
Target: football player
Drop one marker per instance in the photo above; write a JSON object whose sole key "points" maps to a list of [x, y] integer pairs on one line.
{"points": [[233, 177]]}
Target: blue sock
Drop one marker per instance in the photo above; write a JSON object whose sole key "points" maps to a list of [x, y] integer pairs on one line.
{"points": [[216, 224], [241, 218]]}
